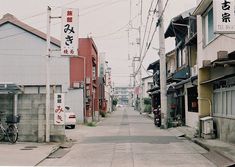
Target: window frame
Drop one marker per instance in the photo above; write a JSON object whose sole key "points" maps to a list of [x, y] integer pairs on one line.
{"points": [[205, 27], [182, 53]]}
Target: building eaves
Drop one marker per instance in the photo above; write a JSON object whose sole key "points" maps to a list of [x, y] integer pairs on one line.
{"points": [[9, 88], [201, 8], [179, 24], [153, 65], [171, 53], [9, 18], [147, 77]]}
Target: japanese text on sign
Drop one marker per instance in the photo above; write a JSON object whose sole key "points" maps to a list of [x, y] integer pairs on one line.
{"points": [[59, 109], [224, 17], [69, 37]]}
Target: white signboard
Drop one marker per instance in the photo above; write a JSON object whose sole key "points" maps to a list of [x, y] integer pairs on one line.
{"points": [[69, 35], [59, 115], [224, 17]]}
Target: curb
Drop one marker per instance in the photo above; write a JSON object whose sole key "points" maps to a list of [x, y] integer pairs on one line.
{"points": [[149, 116], [62, 145], [210, 148], [54, 149], [207, 147]]}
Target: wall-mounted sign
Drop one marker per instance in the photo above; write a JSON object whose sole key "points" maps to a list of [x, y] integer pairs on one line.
{"points": [[59, 116], [224, 17], [69, 35]]}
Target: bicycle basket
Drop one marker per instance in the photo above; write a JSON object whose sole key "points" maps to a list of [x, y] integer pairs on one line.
{"points": [[13, 119]]}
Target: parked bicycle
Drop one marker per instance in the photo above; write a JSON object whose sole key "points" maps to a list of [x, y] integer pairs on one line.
{"points": [[11, 132]]}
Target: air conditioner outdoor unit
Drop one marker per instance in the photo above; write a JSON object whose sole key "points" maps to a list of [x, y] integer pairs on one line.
{"points": [[76, 85], [207, 130], [88, 80]]}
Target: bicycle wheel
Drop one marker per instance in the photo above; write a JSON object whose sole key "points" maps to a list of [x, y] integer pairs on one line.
{"points": [[12, 133]]}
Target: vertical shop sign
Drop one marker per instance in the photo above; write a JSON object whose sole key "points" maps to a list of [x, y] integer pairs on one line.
{"points": [[69, 35], [59, 116]]}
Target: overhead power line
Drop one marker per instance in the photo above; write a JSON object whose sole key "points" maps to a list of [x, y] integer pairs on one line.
{"points": [[116, 31], [147, 46], [42, 13]]}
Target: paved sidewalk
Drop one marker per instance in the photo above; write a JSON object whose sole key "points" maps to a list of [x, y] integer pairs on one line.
{"points": [[224, 149], [25, 153]]}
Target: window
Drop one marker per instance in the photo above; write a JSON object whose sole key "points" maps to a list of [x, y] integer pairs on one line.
{"points": [[182, 56], [93, 73], [192, 99], [179, 56], [184, 53], [208, 26], [224, 102]]}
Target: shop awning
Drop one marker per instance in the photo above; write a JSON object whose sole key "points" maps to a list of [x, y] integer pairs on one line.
{"points": [[9, 88], [191, 79], [217, 78], [155, 87]]}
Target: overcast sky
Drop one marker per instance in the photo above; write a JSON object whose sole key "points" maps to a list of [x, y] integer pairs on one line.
{"points": [[106, 21]]}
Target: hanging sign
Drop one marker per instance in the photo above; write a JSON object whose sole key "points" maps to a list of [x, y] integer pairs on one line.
{"points": [[59, 116], [69, 35], [224, 17]]}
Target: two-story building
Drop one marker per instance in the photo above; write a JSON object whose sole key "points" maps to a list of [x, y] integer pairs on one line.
{"points": [[23, 79], [216, 77], [84, 69], [182, 70], [23, 62]]}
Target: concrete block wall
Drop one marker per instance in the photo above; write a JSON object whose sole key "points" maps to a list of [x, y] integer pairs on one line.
{"points": [[31, 107], [6, 106], [32, 126], [225, 128]]}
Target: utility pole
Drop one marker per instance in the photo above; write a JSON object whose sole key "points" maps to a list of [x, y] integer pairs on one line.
{"points": [[84, 88], [48, 52], [162, 66], [140, 52]]}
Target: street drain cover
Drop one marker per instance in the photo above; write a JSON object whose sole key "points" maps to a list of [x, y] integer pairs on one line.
{"points": [[58, 154], [26, 149], [30, 147], [124, 124]]}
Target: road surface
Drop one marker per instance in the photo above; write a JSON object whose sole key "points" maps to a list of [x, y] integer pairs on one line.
{"points": [[127, 139]]}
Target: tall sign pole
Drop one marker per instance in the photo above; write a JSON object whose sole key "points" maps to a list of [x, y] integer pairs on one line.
{"points": [[48, 50], [162, 67]]}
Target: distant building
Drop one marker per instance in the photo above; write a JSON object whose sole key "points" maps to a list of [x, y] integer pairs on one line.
{"points": [[123, 95], [88, 54]]}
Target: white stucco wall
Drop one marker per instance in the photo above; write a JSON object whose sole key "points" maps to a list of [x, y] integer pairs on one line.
{"points": [[108, 97], [146, 86], [22, 59], [209, 51], [74, 99]]}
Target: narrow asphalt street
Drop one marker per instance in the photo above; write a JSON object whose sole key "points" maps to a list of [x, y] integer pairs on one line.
{"points": [[127, 139]]}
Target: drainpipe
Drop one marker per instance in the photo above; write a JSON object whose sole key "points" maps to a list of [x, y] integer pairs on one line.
{"points": [[209, 101]]}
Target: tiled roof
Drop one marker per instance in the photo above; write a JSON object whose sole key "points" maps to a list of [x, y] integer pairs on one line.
{"points": [[9, 18]]}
